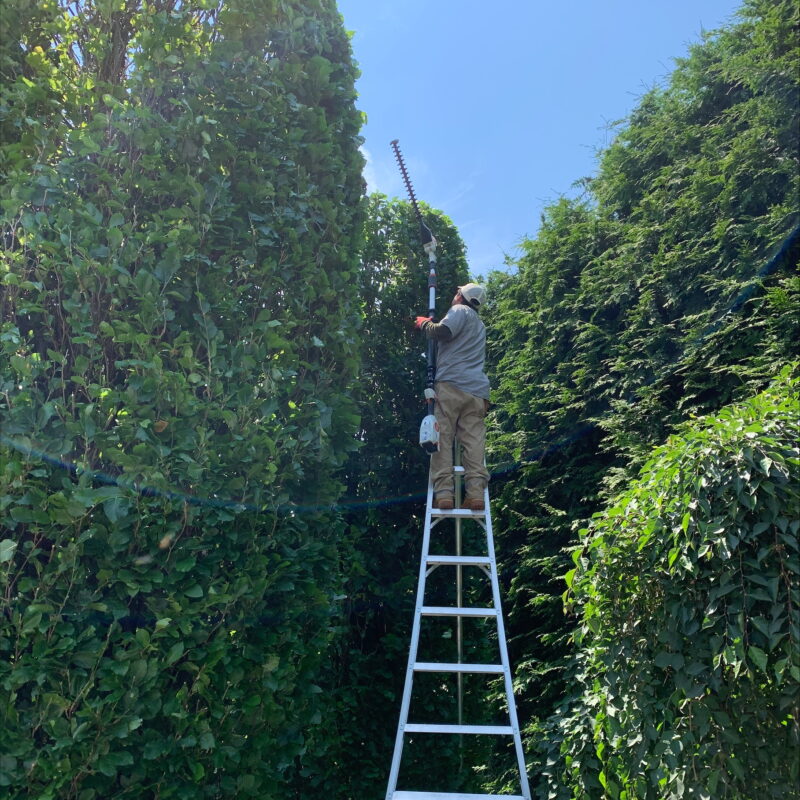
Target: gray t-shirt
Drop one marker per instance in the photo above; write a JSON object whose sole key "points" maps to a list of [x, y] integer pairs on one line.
{"points": [[460, 361]]}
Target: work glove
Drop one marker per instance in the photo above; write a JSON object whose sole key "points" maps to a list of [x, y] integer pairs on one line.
{"points": [[421, 321]]}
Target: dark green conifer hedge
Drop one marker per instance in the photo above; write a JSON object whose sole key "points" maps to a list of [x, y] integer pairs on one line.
{"points": [[669, 289], [386, 481]]}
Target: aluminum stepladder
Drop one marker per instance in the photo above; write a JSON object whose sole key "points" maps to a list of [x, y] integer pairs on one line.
{"points": [[488, 565]]}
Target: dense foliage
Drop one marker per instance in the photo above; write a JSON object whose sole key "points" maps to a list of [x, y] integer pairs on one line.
{"points": [[687, 585], [186, 299], [180, 213], [385, 490], [667, 291]]}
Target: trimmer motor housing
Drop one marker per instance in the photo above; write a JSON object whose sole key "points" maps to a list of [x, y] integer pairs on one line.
{"points": [[429, 433]]}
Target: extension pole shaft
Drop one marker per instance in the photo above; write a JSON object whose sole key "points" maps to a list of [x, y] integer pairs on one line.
{"points": [[431, 354]]}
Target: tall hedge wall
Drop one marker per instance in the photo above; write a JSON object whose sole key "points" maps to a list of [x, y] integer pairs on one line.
{"points": [[180, 212], [386, 480], [669, 290]]}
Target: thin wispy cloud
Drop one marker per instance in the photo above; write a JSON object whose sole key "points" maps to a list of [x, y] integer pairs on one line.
{"points": [[383, 175], [465, 189]]}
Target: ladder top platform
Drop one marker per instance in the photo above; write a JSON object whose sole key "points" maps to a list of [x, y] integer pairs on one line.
{"points": [[454, 796]]}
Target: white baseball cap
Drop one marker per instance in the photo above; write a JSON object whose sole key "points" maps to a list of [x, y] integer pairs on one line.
{"points": [[474, 294]]}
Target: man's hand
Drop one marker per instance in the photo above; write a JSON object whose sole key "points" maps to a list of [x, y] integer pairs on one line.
{"points": [[421, 321]]}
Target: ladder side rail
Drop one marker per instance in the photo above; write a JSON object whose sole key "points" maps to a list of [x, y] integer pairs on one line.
{"points": [[458, 481], [412, 653], [501, 640]]}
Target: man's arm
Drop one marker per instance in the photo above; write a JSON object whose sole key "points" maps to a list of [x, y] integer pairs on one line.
{"points": [[437, 330]]}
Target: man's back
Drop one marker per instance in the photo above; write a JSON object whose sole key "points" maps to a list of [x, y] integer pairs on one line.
{"points": [[460, 360]]}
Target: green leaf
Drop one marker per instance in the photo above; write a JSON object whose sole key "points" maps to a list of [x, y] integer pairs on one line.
{"points": [[7, 549], [758, 657], [116, 509], [207, 741], [175, 652]]}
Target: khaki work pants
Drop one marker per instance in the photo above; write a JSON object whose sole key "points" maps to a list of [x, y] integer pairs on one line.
{"points": [[460, 416]]}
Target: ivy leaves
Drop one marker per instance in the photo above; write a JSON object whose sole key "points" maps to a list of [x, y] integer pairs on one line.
{"points": [[688, 636]]}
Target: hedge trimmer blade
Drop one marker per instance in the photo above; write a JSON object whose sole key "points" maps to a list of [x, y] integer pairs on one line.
{"points": [[404, 172], [427, 236]]}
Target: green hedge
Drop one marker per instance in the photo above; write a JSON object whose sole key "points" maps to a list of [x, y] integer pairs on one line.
{"points": [[687, 589], [181, 209], [663, 293], [386, 480]]}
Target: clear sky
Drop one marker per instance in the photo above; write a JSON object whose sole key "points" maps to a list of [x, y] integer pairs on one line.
{"points": [[501, 105]]}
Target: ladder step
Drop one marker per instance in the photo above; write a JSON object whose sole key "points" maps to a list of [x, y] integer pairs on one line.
{"points": [[464, 513], [453, 796], [495, 730], [428, 666], [454, 611], [464, 561]]}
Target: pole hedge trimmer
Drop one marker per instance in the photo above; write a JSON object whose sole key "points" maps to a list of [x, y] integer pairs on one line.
{"points": [[428, 430]]}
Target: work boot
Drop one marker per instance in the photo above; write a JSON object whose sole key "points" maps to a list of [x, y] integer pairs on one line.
{"points": [[473, 504], [444, 503]]}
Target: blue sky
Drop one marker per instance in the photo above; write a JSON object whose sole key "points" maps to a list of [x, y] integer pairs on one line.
{"points": [[501, 106]]}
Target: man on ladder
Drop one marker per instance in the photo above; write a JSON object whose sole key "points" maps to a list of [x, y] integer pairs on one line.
{"points": [[462, 396], [457, 399]]}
